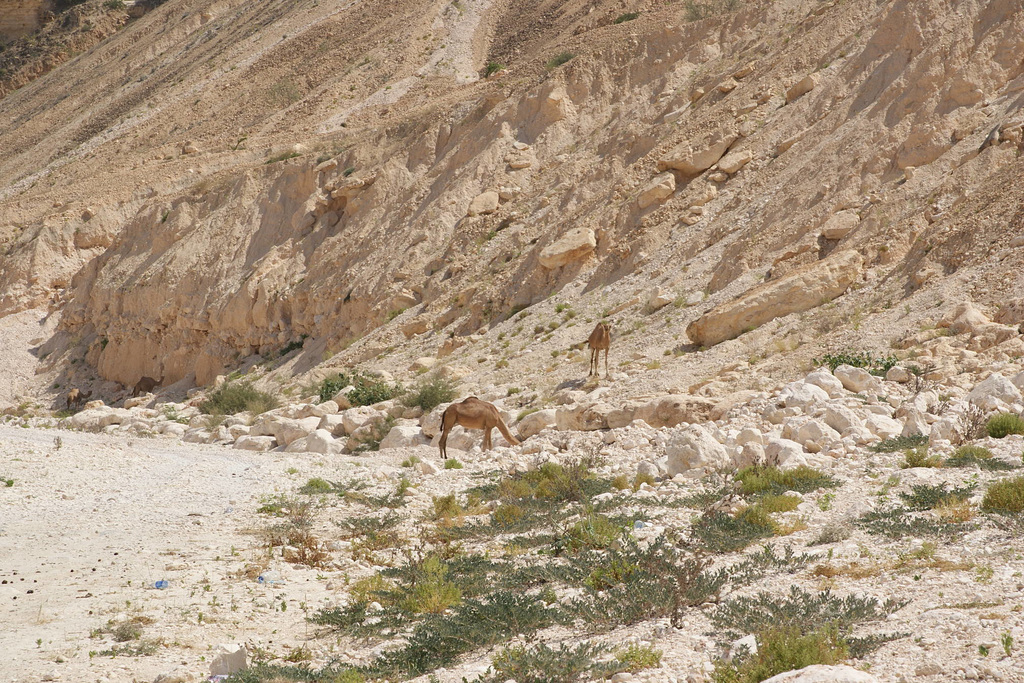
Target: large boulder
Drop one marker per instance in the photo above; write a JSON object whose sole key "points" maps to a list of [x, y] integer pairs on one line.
{"points": [[785, 453], [994, 387], [800, 290], [857, 380], [840, 225], [675, 409], [583, 417], [694, 159], [658, 190], [95, 419], [576, 245], [882, 426], [404, 436], [533, 423], [802, 395], [323, 441], [695, 448], [256, 443], [827, 381], [483, 203]]}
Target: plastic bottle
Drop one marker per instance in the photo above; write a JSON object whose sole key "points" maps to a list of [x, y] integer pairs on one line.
{"points": [[268, 577], [162, 583]]}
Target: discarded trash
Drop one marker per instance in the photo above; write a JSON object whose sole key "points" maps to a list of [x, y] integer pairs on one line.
{"points": [[269, 577], [638, 524], [162, 583]]}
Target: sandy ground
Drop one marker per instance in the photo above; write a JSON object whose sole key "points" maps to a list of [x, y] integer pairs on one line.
{"points": [[89, 526]]}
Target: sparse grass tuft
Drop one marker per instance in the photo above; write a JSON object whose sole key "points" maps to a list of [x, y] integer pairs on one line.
{"points": [[1005, 496], [236, 397], [767, 479], [1004, 423], [542, 664], [918, 457], [452, 464], [784, 649], [558, 60], [925, 497], [899, 443], [977, 456], [628, 16]]}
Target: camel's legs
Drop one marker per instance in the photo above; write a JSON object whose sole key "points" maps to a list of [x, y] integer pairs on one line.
{"points": [[606, 363], [487, 438]]}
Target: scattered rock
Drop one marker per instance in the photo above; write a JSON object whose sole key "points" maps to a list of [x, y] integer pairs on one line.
{"points": [[658, 190], [576, 245], [695, 448], [484, 203], [801, 87], [684, 158], [734, 161]]}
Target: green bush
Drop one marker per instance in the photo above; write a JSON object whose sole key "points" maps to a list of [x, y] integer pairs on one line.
{"points": [[493, 68], [543, 664], [237, 397], [977, 456], [784, 649], [1004, 423], [768, 479], [628, 16], [559, 59], [114, 4], [431, 393], [1005, 496], [899, 443], [858, 359], [918, 457], [368, 390]]}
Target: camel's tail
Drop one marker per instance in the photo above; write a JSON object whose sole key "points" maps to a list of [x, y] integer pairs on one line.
{"points": [[507, 434]]}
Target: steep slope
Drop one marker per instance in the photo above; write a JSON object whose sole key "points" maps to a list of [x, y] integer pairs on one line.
{"points": [[150, 193]]}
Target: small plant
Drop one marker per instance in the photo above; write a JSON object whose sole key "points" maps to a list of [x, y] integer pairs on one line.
{"points": [[558, 60], [114, 4], [432, 392], [628, 16], [1004, 423], [1005, 496], [637, 658], [543, 664], [768, 479], [367, 390], [971, 424], [918, 457], [452, 464], [410, 461], [899, 443], [284, 156], [1007, 642], [977, 456], [925, 497], [862, 359], [316, 485], [492, 68], [784, 649], [236, 397]]}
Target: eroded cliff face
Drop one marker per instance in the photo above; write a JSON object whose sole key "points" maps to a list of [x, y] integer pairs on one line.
{"points": [[165, 219]]}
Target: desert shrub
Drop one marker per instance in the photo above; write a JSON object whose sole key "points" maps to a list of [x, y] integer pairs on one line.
{"points": [[918, 457], [862, 359], [832, 533], [902, 523], [594, 531], [452, 464], [925, 497], [637, 658], [316, 485], [768, 479], [114, 4], [431, 393], [977, 456], [628, 16], [1004, 423], [784, 649], [368, 389], [542, 664], [778, 503], [440, 639], [559, 59], [807, 612], [723, 533], [491, 69], [237, 397], [1005, 496], [899, 443]]}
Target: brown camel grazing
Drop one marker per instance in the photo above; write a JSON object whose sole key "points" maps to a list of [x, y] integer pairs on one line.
{"points": [[473, 413], [76, 398], [600, 339], [146, 385]]}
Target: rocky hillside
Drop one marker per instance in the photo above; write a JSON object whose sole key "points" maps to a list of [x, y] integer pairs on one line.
{"points": [[218, 180]]}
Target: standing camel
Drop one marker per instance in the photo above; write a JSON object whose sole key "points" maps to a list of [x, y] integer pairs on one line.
{"points": [[146, 385], [600, 339], [76, 397], [473, 413]]}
